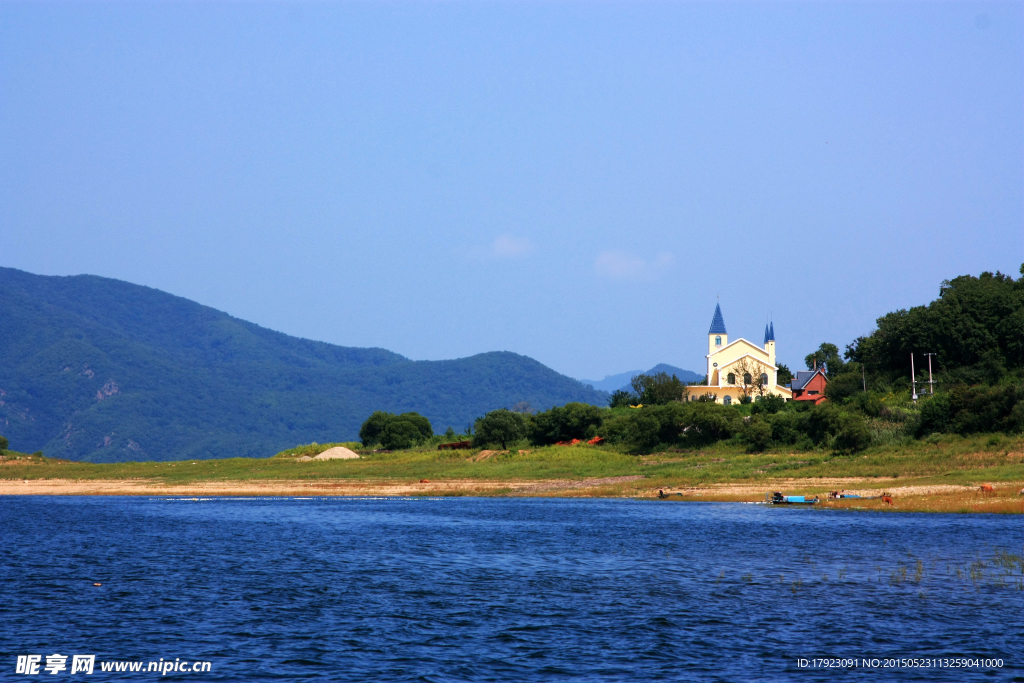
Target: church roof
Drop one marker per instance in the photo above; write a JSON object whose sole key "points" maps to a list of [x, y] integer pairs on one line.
{"points": [[718, 322], [769, 332]]}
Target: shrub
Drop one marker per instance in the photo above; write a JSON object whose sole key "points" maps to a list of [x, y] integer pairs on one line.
{"points": [[843, 386], [853, 434], [788, 427], [499, 426], [823, 422], [571, 421], [4, 443], [643, 430], [934, 415], [770, 404], [966, 410], [758, 434], [707, 422]]}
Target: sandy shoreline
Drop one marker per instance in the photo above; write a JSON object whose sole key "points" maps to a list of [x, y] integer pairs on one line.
{"points": [[612, 486]]}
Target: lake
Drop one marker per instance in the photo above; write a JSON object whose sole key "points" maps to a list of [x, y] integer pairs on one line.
{"points": [[505, 589]]}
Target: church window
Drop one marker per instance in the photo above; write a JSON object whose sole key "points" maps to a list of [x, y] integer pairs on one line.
{"points": [[731, 378], [764, 379], [747, 379], [718, 341], [727, 400]]}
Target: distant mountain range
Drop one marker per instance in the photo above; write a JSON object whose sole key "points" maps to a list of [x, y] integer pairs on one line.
{"points": [[106, 371], [621, 381]]}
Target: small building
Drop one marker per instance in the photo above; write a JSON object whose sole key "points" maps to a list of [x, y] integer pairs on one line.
{"points": [[809, 385], [739, 368]]}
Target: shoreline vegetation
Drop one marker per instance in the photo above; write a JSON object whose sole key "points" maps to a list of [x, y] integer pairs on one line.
{"points": [[936, 475]]}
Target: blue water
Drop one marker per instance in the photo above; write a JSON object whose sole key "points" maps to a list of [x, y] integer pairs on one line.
{"points": [[504, 589]]}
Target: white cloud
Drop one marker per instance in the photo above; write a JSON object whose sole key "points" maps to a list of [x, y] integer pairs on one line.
{"points": [[507, 246], [621, 264]]}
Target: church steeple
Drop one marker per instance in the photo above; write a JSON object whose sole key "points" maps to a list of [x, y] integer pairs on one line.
{"points": [[717, 336], [717, 322]]}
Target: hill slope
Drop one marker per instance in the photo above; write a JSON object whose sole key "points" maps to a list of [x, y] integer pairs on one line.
{"points": [[621, 381], [106, 371]]}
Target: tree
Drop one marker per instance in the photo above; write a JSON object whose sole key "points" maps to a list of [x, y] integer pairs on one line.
{"points": [[748, 375], [373, 427], [758, 434], [4, 443], [770, 404], [975, 328], [571, 421], [399, 434], [843, 386], [522, 407], [395, 431], [657, 389], [853, 434], [622, 399], [784, 375], [643, 430], [422, 424], [826, 357], [499, 426]]}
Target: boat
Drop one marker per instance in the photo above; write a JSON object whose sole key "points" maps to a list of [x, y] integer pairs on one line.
{"points": [[779, 499]]}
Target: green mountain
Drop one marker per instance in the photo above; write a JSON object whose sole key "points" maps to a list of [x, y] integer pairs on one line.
{"points": [[106, 371]]}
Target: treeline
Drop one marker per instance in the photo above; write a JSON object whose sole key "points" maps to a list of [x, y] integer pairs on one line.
{"points": [[674, 424], [975, 329]]}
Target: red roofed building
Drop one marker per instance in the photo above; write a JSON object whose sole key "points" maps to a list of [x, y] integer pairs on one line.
{"points": [[809, 386]]}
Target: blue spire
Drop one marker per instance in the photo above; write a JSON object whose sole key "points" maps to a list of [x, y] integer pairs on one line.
{"points": [[766, 337], [717, 323], [771, 331]]}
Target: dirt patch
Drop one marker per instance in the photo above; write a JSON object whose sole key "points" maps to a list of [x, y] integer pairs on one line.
{"points": [[485, 455], [337, 453], [571, 485]]}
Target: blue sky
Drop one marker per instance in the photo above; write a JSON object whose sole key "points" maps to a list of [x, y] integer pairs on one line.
{"points": [[575, 181]]}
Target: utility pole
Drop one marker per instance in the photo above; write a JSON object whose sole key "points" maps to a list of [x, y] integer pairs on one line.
{"points": [[931, 384], [913, 379]]}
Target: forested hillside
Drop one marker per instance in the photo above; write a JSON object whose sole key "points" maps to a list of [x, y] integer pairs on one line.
{"points": [[975, 329], [103, 370]]}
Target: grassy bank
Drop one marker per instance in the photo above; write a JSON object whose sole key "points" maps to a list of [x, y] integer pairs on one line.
{"points": [[950, 459]]}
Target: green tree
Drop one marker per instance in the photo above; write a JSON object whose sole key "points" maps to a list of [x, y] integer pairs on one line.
{"points": [[571, 421], [643, 430], [622, 399], [826, 357], [499, 426], [975, 328], [784, 375], [399, 434], [657, 389], [853, 434], [373, 427], [843, 386], [421, 423], [4, 443], [757, 433], [769, 403], [395, 431]]}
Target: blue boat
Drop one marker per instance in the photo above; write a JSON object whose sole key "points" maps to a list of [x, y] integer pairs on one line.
{"points": [[779, 499]]}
